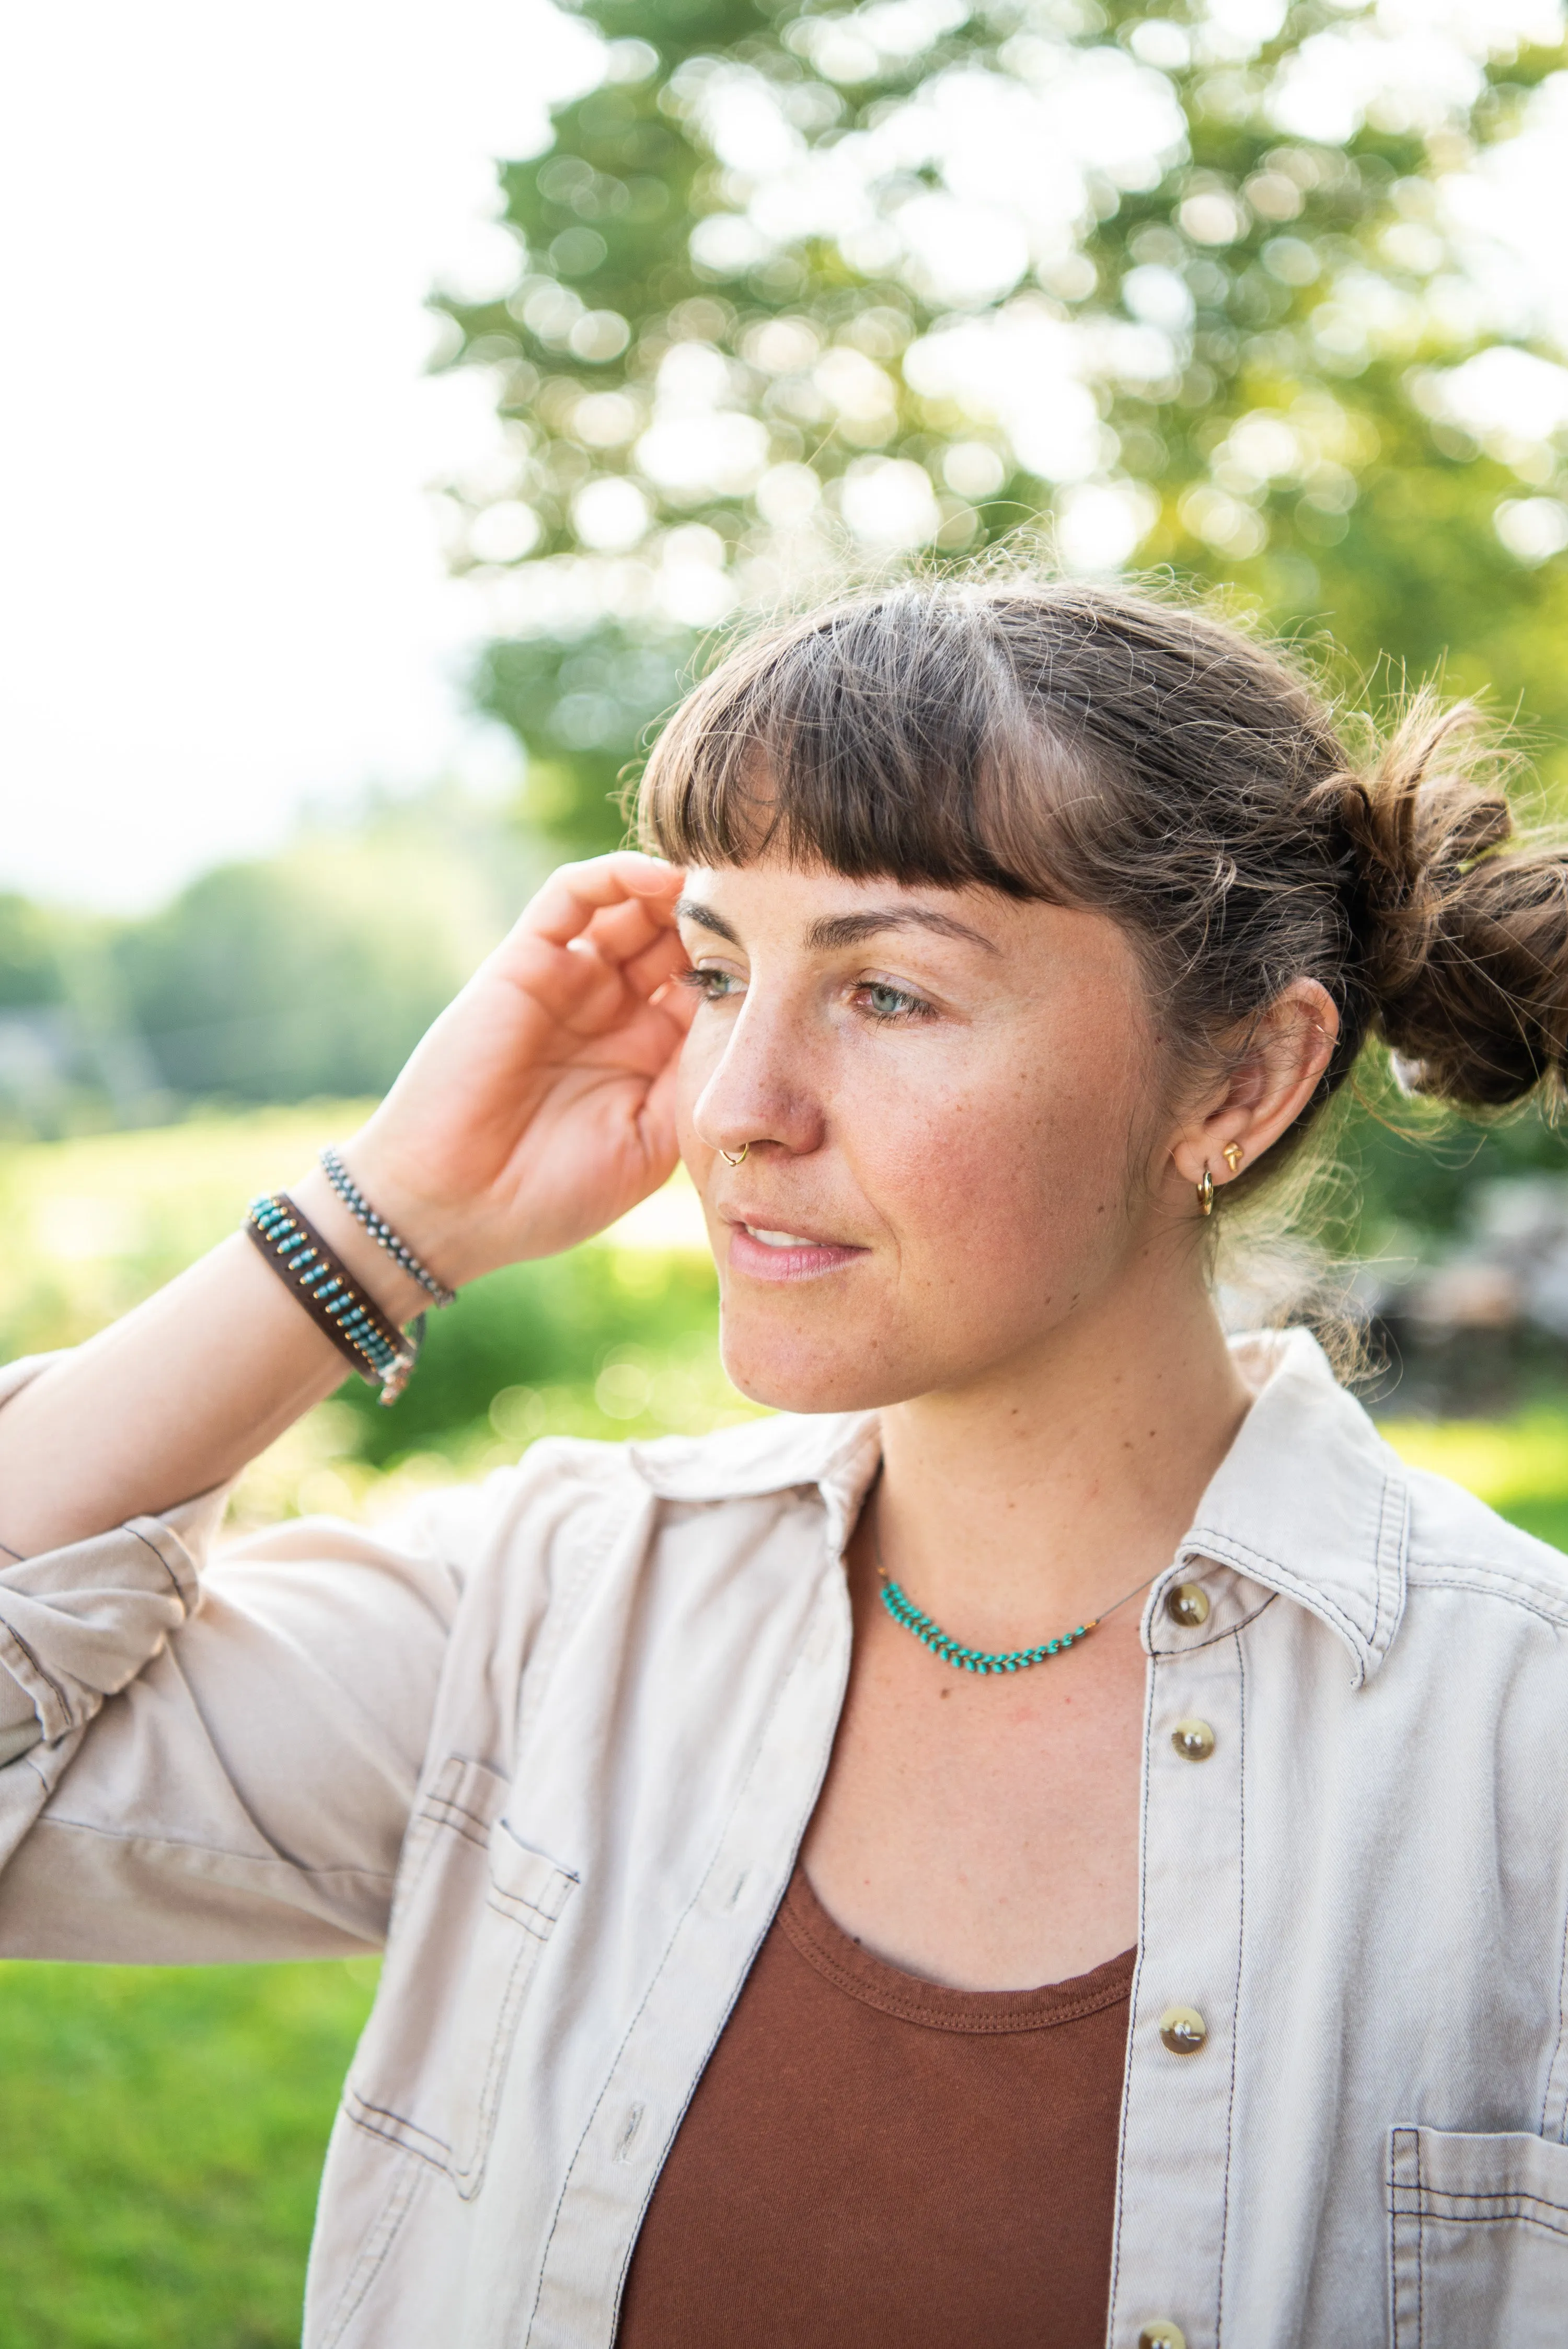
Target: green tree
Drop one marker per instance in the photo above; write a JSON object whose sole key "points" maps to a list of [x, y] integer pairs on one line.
{"points": [[29, 955], [316, 971], [804, 289]]}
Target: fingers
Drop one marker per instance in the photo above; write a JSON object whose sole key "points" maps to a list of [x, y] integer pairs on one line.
{"points": [[656, 965], [642, 889], [598, 937]]}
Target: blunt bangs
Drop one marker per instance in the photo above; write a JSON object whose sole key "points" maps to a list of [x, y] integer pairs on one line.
{"points": [[882, 738]]}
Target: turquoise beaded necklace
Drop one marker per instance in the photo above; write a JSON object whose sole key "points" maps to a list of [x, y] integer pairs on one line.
{"points": [[949, 1650]]}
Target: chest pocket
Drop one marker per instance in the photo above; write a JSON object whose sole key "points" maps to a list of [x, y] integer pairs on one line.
{"points": [[1478, 2239], [474, 1910]]}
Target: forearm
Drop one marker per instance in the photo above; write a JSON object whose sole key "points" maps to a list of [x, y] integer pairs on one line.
{"points": [[538, 1108], [179, 1395]]}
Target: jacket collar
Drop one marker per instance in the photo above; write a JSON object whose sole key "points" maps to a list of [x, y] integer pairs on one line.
{"points": [[838, 1453], [1309, 1500]]}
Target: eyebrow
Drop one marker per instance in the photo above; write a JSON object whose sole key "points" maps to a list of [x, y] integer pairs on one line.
{"points": [[849, 929]]}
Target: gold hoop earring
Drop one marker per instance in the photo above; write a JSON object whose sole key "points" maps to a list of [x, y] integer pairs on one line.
{"points": [[1206, 1193], [734, 1157], [1232, 1155]]}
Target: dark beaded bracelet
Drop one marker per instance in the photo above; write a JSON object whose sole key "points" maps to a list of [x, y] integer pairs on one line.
{"points": [[380, 1231], [296, 1252]]}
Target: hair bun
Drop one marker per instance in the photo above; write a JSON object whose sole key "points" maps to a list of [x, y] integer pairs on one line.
{"points": [[1465, 951]]}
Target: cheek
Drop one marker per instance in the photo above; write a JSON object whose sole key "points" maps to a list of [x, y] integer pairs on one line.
{"points": [[700, 1053], [1017, 1181]]}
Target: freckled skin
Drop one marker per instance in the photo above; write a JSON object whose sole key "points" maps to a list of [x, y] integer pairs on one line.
{"points": [[994, 1165]]}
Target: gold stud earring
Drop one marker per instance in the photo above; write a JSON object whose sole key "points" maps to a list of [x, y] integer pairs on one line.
{"points": [[734, 1157], [1232, 1155], [1206, 1193]]}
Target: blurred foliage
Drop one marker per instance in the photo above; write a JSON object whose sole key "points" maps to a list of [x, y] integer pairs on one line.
{"points": [[29, 956], [313, 972], [1399, 1171], [310, 972], [613, 1339], [1245, 340]]}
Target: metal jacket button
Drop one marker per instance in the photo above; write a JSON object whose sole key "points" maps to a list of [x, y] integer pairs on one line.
{"points": [[1193, 1740], [1184, 2030], [1187, 1604], [1159, 2332]]}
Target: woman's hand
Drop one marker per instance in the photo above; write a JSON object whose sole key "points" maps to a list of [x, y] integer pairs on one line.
{"points": [[538, 1108], [541, 1103]]}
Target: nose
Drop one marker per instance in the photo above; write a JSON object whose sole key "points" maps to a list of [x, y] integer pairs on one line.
{"points": [[763, 1092]]}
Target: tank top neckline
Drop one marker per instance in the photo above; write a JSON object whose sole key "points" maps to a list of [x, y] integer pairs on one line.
{"points": [[851, 1968]]}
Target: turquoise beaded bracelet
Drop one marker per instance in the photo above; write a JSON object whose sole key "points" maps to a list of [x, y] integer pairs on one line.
{"points": [[381, 1230], [296, 1252]]}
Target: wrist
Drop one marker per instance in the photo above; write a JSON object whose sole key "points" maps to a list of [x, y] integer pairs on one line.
{"points": [[399, 1295], [447, 1233]]}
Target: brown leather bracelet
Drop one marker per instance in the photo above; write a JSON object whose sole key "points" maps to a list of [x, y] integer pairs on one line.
{"points": [[323, 1284]]}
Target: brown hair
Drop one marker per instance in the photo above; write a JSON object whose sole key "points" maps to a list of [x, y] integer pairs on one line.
{"points": [[1107, 750]]}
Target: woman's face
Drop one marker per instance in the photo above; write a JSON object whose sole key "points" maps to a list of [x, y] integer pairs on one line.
{"points": [[951, 1116]]}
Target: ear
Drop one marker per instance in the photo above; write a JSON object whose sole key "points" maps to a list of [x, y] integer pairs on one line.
{"points": [[1266, 1092]]}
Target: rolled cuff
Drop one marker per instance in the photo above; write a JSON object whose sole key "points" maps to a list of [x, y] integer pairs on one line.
{"points": [[78, 1622]]}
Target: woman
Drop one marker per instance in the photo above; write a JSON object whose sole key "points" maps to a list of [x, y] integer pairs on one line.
{"points": [[1055, 1838]]}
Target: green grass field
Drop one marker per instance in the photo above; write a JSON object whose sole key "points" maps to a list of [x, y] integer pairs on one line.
{"points": [[163, 2134], [164, 2128]]}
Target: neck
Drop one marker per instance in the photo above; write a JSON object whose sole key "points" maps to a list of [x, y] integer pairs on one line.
{"points": [[1035, 1498]]}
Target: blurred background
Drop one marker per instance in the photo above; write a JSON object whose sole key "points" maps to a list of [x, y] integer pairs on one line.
{"points": [[397, 411]]}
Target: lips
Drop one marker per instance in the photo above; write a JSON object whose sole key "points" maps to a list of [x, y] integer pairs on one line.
{"points": [[764, 1252]]}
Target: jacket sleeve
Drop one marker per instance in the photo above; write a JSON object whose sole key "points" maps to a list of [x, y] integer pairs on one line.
{"points": [[194, 1771]]}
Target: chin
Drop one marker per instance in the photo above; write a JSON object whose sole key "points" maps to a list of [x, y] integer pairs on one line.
{"points": [[786, 1371]]}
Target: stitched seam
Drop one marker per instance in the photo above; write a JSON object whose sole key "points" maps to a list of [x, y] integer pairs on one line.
{"points": [[1562, 2047], [1393, 1533], [1218, 1634], [906, 2007], [456, 1824], [1439, 1567], [1236, 2000], [220, 1851], [1393, 2251], [1489, 1591], [1378, 1557], [389, 2222], [399, 2130], [515, 1910], [8, 1631], [1420, 2253], [163, 1562], [658, 1972], [1227, 1549], [453, 1815], [518, 1974], [1137, 1971], [1512, 2217], [1511, 2196]]}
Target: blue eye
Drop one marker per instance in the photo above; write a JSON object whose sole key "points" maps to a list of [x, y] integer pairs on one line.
{"points": [[886, 1002], [712, 986]]}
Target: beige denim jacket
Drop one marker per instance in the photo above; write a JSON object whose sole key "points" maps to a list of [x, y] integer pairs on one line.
{"points": [[554, 1740]]}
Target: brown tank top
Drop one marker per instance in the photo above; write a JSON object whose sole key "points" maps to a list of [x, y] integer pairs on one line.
{"points": [[873, 2158]]}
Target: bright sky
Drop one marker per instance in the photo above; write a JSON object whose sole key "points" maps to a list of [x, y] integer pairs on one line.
{"points": [[220, 591]]}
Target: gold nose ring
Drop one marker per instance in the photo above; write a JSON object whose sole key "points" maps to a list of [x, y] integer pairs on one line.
{"points": [[734, 1157]]}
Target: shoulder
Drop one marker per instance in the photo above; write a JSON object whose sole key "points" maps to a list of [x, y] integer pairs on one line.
{"points": [[1457, 1543], [566, 1492]]}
